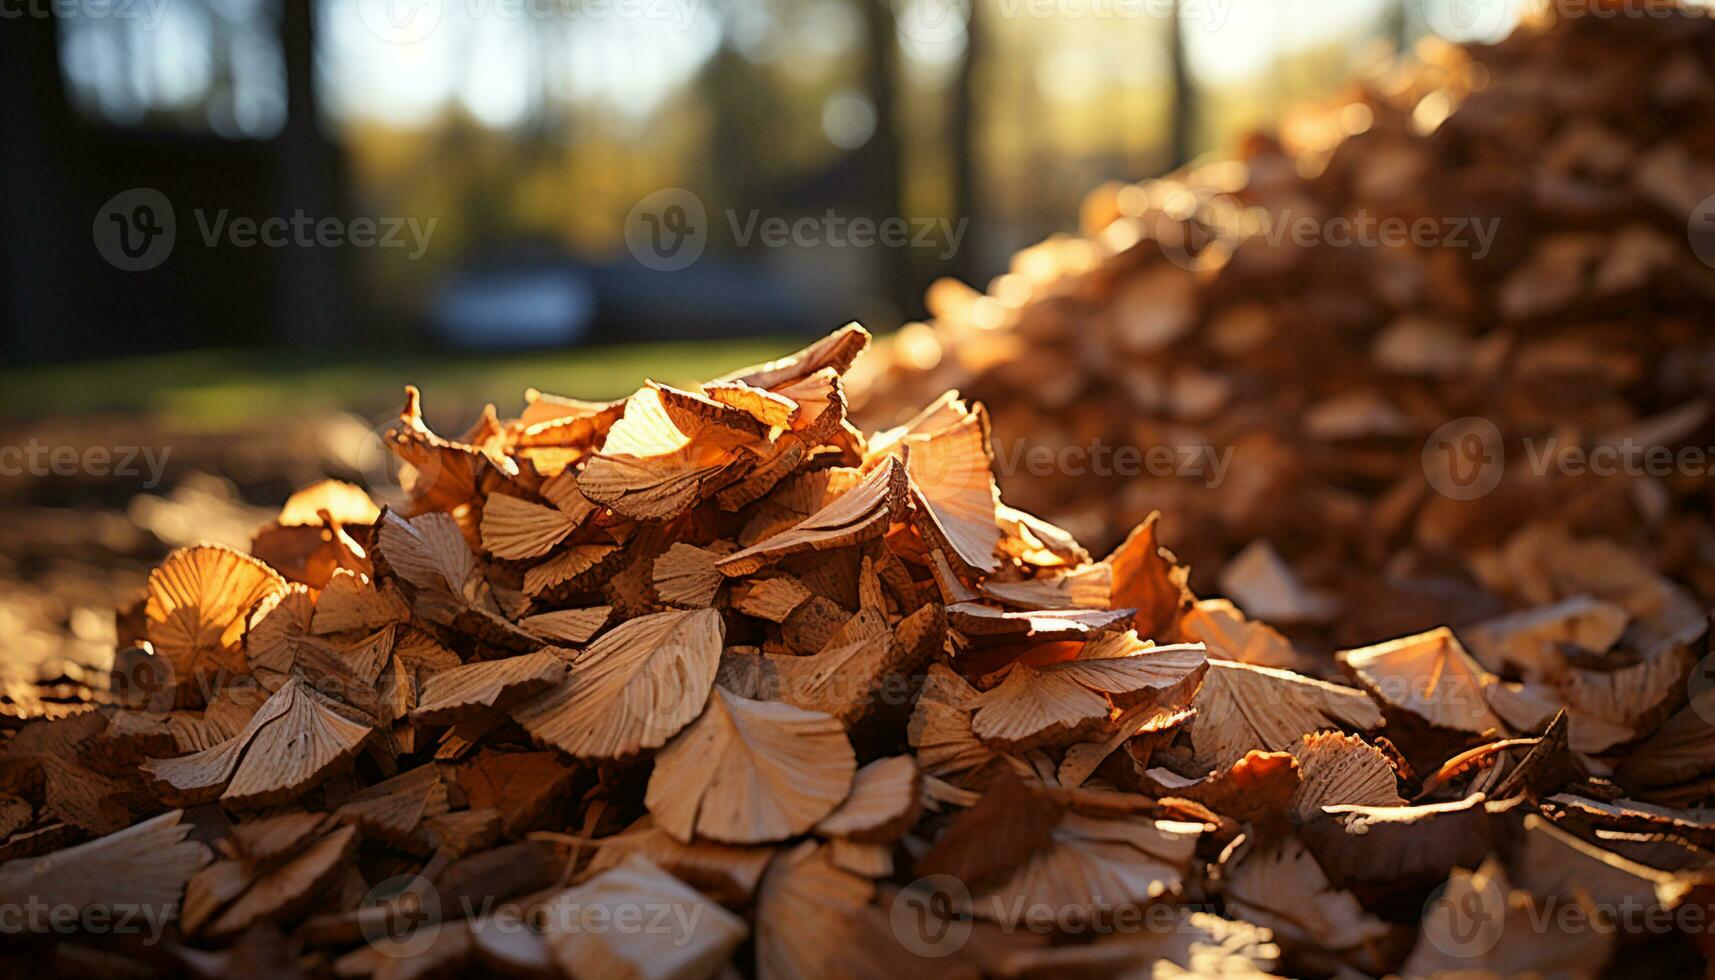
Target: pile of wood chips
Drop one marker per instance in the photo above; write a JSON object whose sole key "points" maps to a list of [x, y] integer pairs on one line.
{"points": [[709, 683], [1552, 309]]}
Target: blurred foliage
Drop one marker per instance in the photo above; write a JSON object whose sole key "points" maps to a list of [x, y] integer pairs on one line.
{"points": [[213, 391]]}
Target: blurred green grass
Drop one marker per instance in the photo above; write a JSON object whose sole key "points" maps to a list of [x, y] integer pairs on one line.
{"points": [[213, 391]]}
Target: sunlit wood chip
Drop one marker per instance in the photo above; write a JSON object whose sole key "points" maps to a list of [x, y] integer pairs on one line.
{"points": [[883, 803], [1341, 769], [1241, 708], [767, 407], [1094, 865], [668, 452], [680, 933], [285, 892], [277, 627], [1533, 642], [836, 351], [1278, 885], [199, 602], [1478, 923], [140, 867], [572, 569], [1230, 636], [1065, 701], [516, 529], [568, 626], [1087, 587], [940, 727], [858, 515], [859, 661], [1431, 676], [772, 599], [976, 620], [430, 552], [809, 916], [750, 772], [467, 691], [631, 690], [1145, 577], [952, 485], [352, 602], [724, 872], [685, 576], [288, 746]]}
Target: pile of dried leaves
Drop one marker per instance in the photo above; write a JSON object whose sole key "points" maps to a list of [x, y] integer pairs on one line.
{"points": [[710, 683], [1381, 421]]}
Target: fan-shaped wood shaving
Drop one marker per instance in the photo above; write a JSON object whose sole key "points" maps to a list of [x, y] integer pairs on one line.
{"points": [[940, 728], [1092, 865], [725, 873], [1431, 676], [858, 515], [699, 936], [1340, 769], [144, 866], [351, 602], [685, 576], [1279, 886], [568, 626], [952, 484], [633, 689], [1065, 701], [809, 915], [772, 599], [464, 692], [516, 529], [883, 803], [1241, 708], [288, 746], [750, 772], [199, 601]]}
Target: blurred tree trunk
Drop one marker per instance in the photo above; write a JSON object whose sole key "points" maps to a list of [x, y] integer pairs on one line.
{"points": [[34, 184], [963, 153], [1182, 118], [883, 191], [1398, 27], [315, 292]]}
